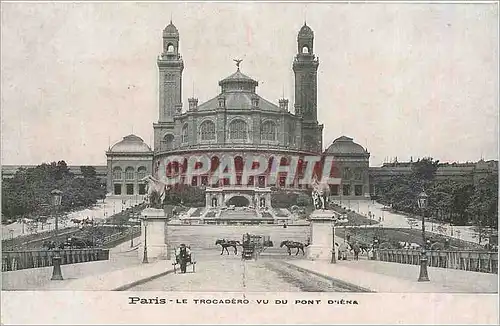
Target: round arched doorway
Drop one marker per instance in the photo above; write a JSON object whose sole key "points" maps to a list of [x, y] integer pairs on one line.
{"points": [[238, 201]]}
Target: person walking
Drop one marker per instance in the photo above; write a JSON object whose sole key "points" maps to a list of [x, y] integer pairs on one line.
{"points": [[356, 249], [343, 251]]}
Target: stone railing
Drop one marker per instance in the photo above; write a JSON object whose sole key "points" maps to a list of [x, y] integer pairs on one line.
{"points": [[476, 261], [16, 260], [118, 238]]}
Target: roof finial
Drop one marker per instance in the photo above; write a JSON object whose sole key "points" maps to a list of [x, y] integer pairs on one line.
{"points": [[238, 61], [170, 18]]}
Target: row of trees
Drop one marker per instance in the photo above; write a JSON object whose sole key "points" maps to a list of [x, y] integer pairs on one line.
{"points": [[456, 201], [28, 193]]}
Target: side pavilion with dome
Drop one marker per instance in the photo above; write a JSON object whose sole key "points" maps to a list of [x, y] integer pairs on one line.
{"points": [[128, 161]]}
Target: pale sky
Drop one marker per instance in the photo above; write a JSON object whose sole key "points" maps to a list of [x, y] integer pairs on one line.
{"points": [[401, 79]]}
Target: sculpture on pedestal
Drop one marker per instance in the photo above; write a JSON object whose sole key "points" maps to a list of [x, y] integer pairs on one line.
{"points": [[320, 194], [155, 192]]}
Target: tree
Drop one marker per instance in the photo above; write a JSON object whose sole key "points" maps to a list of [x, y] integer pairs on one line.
{"points": [[27, 193], [482, 207], [425, 169]]}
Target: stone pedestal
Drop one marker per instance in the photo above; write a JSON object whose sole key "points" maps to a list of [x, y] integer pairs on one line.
{"points": [[321, 234], [153, 224]]}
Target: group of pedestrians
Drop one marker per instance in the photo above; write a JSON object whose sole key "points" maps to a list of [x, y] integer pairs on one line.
{"points": [[345, 247]]}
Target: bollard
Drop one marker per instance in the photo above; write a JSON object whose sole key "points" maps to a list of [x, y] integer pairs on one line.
{"points": [[56, 272]]}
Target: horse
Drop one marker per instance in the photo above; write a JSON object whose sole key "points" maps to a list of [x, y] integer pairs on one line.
{"points": [[154, 185], [294, 244], [228, 243]]}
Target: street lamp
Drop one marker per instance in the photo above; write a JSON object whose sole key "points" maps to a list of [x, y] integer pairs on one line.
{"points": [[422, 204], [145, 259], [57, 198]]}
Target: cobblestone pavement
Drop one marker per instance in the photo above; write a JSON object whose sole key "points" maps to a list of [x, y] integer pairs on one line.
{"points": [[216, 273]]}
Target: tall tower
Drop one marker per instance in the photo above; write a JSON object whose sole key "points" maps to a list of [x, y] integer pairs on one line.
{"points": [[170, 66], [305, 67]]}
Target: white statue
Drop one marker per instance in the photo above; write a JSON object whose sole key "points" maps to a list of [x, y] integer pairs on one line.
{"points": [[155, 192], [320, 194]]}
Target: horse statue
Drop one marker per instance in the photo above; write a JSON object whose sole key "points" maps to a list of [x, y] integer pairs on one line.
{"points": [[156, 192], [320, 193]]}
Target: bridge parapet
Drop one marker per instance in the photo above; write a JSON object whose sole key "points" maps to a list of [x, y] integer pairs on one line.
{"points": [[16, 260], [475, 261]]}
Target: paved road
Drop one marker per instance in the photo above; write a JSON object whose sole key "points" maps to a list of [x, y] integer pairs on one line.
{"points": [[216, 273]]}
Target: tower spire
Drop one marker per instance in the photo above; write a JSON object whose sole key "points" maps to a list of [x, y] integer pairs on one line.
{"points": [[170, 18]]}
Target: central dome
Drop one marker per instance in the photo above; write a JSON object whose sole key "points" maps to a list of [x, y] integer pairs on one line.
{"points": [[238, 82]]}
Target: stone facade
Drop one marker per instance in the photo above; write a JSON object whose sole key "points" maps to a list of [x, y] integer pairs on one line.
{"points": [[236, 122], [351, 164], [129, 161]]}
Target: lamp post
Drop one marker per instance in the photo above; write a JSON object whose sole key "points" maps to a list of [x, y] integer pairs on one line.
{"points": [[145, 259], [422, 204], [56, 259], [57, 197], [131, 229]]}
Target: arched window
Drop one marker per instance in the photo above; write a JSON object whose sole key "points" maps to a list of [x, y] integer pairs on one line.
{"points": [[129, 173], [238, 130], [185, 133], [207, 130], [347, 174], [141, 172], [170, 48], [169, 141], [117, 173], [238, 164], [268, 131], [305, 49]]}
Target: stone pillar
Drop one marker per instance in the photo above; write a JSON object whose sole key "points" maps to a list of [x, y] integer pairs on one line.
{"points": [[220, 200], [156, 244], [321, 235], [208, 199], [268, 200]]}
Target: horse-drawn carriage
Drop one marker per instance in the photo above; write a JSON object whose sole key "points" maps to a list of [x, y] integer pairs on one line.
{"points": [[254, 245]]}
